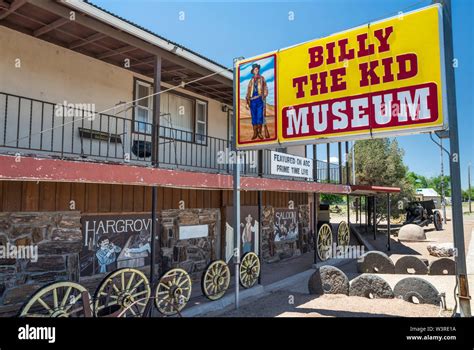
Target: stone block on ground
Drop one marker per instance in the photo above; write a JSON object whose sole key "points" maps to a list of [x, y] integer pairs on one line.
{"points": [[411, 233], [441, 250]]}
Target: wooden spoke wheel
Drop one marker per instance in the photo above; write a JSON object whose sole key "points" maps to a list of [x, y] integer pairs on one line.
{"points": [[324, 242], [173, 292], [343, 234], [59, 299], [124, 289], [215, 280], [249, 270]]}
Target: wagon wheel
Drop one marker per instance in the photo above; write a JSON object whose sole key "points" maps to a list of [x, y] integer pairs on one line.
{"points": [[59, 299], [215, 280], [125, 289], [343, 234], [324, 242], [437, 220], [249, 270], [173, 292]]}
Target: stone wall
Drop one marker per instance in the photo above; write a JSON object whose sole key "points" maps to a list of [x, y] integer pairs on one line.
{"points": [[56, 236], [192, 255]]}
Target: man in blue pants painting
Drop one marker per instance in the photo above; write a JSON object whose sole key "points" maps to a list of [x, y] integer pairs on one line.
{"points": [[256, 94]]}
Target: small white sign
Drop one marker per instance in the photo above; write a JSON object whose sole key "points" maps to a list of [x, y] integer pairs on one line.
{"points": [[292, 166], [193, 231]]}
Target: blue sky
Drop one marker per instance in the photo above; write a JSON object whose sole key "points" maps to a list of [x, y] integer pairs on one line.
{"points": [[222, 30]]}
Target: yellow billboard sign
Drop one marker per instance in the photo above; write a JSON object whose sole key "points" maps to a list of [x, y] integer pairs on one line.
{"points": [[381, 79]]}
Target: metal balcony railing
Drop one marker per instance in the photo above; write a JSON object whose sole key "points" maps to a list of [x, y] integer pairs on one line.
{"points": [[33, 127]]}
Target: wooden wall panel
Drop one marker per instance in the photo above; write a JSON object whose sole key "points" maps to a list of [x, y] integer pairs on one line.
{"points": [[92, 198], [99, 198], [12, 193], [47, 196], [78, 195], [30, 196], [127, 198], [116, 198], [63, 195]]}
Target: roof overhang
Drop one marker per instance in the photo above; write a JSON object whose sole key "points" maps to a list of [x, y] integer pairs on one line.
{"points": [[103, 36]]}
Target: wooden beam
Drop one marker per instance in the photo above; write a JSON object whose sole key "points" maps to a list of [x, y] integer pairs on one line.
{"points": [[120, 51], [90, 39], [13, 7], [56, 24], [126, 38]]}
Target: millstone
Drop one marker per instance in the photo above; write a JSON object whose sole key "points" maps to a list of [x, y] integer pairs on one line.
{"points": [[315, 286], [370, 286], [375, 262], [411, 232], [411, 262], [414, 287], [333, 280], [443, 266]]}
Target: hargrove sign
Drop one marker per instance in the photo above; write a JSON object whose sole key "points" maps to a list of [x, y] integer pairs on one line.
{"points": [[377, 80]]}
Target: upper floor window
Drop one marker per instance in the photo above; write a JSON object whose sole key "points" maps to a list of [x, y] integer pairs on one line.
{"points": [[182, 117]]}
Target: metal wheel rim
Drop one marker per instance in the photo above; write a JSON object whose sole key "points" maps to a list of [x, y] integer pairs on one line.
{"points": [[343, 234], [127, 288], [324, 242], [216, 280], [64, 304], [249, 270], [173, 292]]}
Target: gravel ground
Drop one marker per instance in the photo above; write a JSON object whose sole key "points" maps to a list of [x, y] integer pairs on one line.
{"points": [[279, 304], [296, 302]]}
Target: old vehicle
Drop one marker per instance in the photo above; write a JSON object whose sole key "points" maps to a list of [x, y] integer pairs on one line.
{"points": [[423, 213]]}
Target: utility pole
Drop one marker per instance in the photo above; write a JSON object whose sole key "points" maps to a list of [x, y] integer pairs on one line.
{"points": [[454, 160]]}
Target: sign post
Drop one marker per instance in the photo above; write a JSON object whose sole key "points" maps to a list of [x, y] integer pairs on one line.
{"points": [[454, 159], [236, 199]]}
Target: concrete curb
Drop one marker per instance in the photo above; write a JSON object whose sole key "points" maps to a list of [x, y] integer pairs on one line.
{"points": [[361, 239], [257, 291]]}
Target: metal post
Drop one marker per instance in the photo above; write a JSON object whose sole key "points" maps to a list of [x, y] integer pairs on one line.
{"points": [[353, 164], [236, 196], [455, 171], [366, 212], [388, 220], [347, 164], [469, 186], [348, 210], [315, 202], [339, 153], [259, 215], [443, 196], [154, 251], [328, 162], [374, 214], [315, 163], [315, 225]]}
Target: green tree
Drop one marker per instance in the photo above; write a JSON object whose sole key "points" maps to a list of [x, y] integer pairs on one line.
{"points": [[380, 162]]}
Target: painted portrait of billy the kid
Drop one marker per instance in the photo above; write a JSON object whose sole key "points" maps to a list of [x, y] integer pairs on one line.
{"points": [[257, 100]]}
